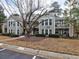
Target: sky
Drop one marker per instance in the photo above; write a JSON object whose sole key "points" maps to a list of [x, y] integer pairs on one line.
{"points": [[61, 2], [47, 2]]}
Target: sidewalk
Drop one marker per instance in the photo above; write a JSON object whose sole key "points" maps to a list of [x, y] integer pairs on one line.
{"points": [[41, 53]]}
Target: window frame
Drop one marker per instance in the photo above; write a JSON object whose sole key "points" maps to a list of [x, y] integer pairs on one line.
{"points": [[50, 21], [9, 23], [42, 22], [46, 31], [42, 31], [50, 31], [46, 22]]}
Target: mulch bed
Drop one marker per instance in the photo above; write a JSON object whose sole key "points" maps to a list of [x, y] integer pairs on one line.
{"points": [[4, 37], [32, 38], [60, 45]]}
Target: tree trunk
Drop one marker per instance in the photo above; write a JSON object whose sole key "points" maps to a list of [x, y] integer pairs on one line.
{"points": [[71, 29], [0, 28], [24, 31], [28, 34]]}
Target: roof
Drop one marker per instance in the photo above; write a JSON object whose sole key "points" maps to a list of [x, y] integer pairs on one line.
{"points": [[1, 8], [59, 18], [16, 18]]}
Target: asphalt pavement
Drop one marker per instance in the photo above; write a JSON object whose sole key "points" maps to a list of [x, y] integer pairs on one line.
{"points": [[7, 54]]}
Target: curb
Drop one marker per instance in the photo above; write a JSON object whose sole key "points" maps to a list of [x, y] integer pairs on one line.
{"points": [[40, 53]]}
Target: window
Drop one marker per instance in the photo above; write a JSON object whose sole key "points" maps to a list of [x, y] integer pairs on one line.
{"points": [[55, 25], [6, 30], [14, 24], [46, 22], [17, 23], [11, 30], [42, 31], [50, 21], [46, 32], [50, 31], [9, 23], [42, 22], [18, 32]]}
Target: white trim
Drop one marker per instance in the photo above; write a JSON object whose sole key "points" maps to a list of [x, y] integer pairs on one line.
{"points": [[34, 57]]}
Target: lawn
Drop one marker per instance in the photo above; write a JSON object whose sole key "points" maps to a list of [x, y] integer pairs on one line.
{"points": [[3, 37], [50, 44]]}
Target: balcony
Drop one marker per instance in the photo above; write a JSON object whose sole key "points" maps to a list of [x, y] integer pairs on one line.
{"points": [[61, 26]]}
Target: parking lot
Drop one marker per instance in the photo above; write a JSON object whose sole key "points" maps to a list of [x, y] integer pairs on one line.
{"points": [[7, 54]]}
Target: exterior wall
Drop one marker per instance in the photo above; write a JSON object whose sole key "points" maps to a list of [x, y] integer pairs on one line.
{"points": [[3, 28], [47, 27], [57, 24], [61, 28], [12, 27], [71, 33], [19, 28]]}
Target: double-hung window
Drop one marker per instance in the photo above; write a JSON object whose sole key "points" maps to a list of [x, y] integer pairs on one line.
{"points": [[42, 31], [46, 31], [9, 23], [42, 22], [50, 21], [46, 22], [50, 31], [17, 23]]}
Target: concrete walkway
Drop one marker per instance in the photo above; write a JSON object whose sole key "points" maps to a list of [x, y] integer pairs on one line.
{"points": [[41, 53]]}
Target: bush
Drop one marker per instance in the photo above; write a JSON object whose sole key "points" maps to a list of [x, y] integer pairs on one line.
{"points": [[54, 35], [7, 34], [10, 34], [40, 35], [13, 35]]}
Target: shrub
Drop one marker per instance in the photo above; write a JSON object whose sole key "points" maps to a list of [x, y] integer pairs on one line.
{"points": [[10, 34], [40, 35], [6, 34], [54, 35], [14, 35]]}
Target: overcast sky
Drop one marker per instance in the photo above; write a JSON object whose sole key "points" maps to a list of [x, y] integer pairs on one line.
{"points": [[61, 2], [47, 2]]}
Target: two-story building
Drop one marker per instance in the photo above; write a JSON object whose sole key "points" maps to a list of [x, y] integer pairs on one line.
{"points": [[50, 25], [61, 27], [12, 25], [47, 26]]}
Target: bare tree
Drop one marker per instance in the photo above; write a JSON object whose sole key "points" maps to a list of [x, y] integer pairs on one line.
{"points": [[27, 10]]}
